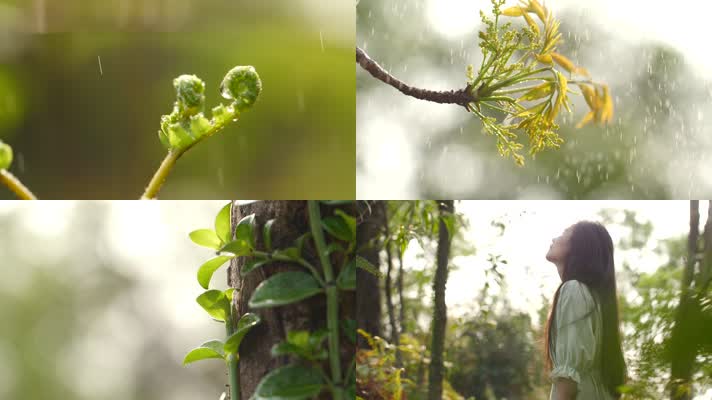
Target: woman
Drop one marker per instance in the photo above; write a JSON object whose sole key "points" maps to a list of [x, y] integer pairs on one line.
{"points": [[583, 345]]}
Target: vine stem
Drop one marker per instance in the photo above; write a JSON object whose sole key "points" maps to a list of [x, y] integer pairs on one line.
{"points": [[332, 297], [233, 365], [14, 184], [161, 174]]}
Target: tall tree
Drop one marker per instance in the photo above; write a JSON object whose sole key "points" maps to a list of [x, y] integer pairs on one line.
{"points": [[394, 333], [291, 220], [368, 297], [683, 339], [446, 224]]}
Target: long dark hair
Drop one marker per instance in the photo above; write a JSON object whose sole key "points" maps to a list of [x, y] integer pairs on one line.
{"points": [[590, 261]]}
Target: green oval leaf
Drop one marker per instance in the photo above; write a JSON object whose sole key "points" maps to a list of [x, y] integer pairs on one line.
{"points": [[206, 238], [337, 228], [245, 230], [216, 303], [222, 224], [350, 221], [347, 277], [291, 382], [207, 350], [267, 234], [247, 322], [237, 247], [284, 288], [206, 271]]}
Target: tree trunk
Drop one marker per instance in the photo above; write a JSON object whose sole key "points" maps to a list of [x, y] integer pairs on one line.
{"points": [[291, 221], [435, 378], [394, 337], [682, 342], [399, 284], [368, 297]]}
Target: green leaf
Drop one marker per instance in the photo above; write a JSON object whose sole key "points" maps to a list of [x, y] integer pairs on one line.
{"points": [[245, 230], [238, 247], [291, 382], [215, 302], [350, 221], [337, 227], [246, 322], [347, 277], [207, 350], [253, 265], [284, 288], [267, 234], [205, 238], [222, 224], [206, 271], [367, 266]]}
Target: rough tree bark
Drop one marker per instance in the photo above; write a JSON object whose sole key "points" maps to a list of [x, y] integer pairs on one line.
{"points": [[435, 378], [368, 297], [291, 221], [682, 341]]}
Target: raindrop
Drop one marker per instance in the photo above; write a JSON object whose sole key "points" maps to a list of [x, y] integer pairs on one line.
{"points": [[321, 40], [101, 70]]}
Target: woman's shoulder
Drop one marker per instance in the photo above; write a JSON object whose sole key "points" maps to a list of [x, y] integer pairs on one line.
{"points": [[575, 298]]}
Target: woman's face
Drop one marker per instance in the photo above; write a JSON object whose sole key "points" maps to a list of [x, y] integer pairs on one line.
{"points": [[559, 249]]}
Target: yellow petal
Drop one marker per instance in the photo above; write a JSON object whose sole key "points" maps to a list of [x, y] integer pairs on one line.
{"points": [[590, 95], [532, 110], [564, 62], [538, 9], [513, 12], [544, 58], [586, 119], [537, 92], [531, 23], [607, 113]]}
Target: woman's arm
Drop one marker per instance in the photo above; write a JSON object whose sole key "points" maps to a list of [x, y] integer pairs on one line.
{"points": [[565, 389]]}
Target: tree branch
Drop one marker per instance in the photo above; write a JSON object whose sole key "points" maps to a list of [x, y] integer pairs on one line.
{"points": [[461, 97]]}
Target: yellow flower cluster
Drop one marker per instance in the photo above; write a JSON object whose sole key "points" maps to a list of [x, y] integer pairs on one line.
{"points": [[597, 96]]}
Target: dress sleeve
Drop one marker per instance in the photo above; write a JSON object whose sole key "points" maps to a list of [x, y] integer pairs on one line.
{"points": [[574, 340]]}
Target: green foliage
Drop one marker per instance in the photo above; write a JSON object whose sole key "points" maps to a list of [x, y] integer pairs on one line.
{"points": [[291, 382], [5, 155], [528, 56], [305, 377]]}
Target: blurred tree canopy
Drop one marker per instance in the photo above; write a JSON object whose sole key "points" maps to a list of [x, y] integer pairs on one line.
{"points": [[80, 103]]}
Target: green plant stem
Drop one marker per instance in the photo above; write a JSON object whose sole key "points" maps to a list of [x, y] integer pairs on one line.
{"points": [[14, 184], [233, 365], [523, 77], [161, 174], [304, 263], [332, 297]]}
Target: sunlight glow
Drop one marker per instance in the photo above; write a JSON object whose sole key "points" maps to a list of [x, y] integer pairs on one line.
{"points": [[454, 18]]}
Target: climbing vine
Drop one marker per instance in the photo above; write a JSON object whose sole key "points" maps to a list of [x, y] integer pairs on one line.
{"points": [[316, 360], [180, 130]]}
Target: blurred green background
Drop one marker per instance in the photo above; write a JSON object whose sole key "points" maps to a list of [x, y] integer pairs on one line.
{"points": [[81, 130], [97, 301]]}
